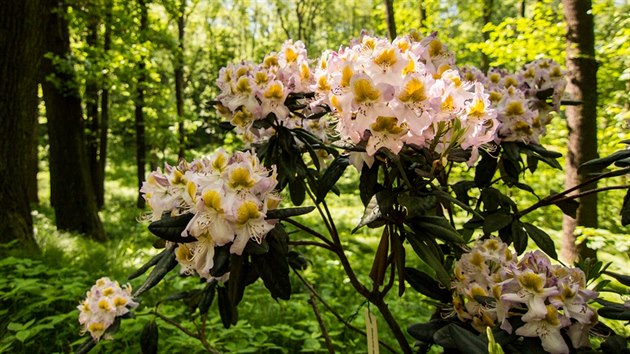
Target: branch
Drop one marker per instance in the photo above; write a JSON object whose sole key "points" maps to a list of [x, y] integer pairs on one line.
{"points": [[322, 325], [312, 243], [174, 323]]}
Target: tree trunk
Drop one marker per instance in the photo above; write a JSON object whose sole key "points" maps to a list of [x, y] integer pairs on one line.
{"points": [[91, 107], [102, 158], [139, 113], [581, 120], [521, 8], [391, 19], [71, 191], [422, 16], [20, 45], [32, 162], [179, 81], [487, 14]]}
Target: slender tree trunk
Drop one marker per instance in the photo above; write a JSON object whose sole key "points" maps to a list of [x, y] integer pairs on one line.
{"points": [[91, 107], [391, 19], [20, 45], [422, 15], [179, 81], [32, 162], [139, 113], [522, 7], [102, 158], [581, 120], [487, 14], [71, 189]]}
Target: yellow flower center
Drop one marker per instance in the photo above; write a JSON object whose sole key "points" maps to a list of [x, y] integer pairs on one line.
{"points": [[248, 210], [96, 327], [242, 86], [242, 118], [386, 59], [120, 301], [270, 61], [413, 91], [435, 48], [531, 281], [477, 109], [241, 178], [346, 75], [388, 125], [261, 78], [212, 199], [290, 54], [274, 92], [514, 108], [103, 304], [364, 91], [108, 291]]}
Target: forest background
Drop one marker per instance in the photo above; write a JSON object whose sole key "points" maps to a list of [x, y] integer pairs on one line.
{"points": [[126, 86]]}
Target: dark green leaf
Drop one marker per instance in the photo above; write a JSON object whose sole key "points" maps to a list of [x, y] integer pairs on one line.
{"points": [[466, 341], [511, 151], [615, 313], [208, 297], [568, 207], [377, 273], [540, 150], [424, 331], [615, 344], [485, 169], [165, 265], [221, 261], [149, 338], [496, 221], [88, 345], [236, 285], [273, 267], [368, 183], [371, 213], [416, 205], [437, 227], [288, 212], [541, 239], [461, 189], [623, 279], [148, 265], [601, 163], [430, 253], [331, 176], [253, 247], [509, 171], [226, 310], [170, 228], [519, 237], [426, 285], [625, 210], [297, 191]]}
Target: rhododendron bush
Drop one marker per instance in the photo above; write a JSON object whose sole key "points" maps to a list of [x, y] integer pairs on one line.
{"points": [[403, 114]]}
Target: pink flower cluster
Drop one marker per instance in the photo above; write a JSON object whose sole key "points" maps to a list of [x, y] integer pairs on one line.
{"points": [[523, 115], [229, 196], [409, 91], [547, 297], [105, 301], [250, 92]]}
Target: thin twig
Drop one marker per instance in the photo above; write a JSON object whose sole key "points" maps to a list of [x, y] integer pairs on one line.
{"points": [[335, 313], [310, 231], [172, 322], [322, 325], [312, 243]]}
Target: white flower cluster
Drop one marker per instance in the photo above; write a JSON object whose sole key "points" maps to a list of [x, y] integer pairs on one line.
{"points": [[105, 301], [547, 297], [522, 114], [409, 91], [250, 92], [229, 196]]}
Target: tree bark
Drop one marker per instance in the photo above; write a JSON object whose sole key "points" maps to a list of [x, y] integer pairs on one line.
{"points": [[32, 162], [20, 45], [91, 108], [179, 81], [422, 15], [72, 195], [391, 19], [102, 158], [581, 120], [139, 106]]}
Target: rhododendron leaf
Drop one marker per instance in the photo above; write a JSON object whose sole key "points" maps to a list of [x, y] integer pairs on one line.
{"points": [[541, 239], [221, 261], [297, 261], [149, 338], [424, 331], [485, 169], [239, 266], [436, 227], [426, 285], [431, 255], [623, 279], [496, 221], [511, 151], [273, 267], [153, 261], [226, 310], [254, 247], [509, 170], [461, 190], [467, 341], [334, 171], [170, 228], [601, 163], [568, 207], [540, 150], [544, 94], [613, 310], [416, 205], [615, 344], [519, 237], [297, 191], [288, 212], [163, 266], [368, 183], [208, 297], [88, 345], [371, 213], [377, 273], [625, 210], [623, 162]]}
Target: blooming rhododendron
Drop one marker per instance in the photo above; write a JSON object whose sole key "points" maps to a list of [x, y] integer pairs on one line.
{"points": [[228, 197], [105, 301], [547, 297]]}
